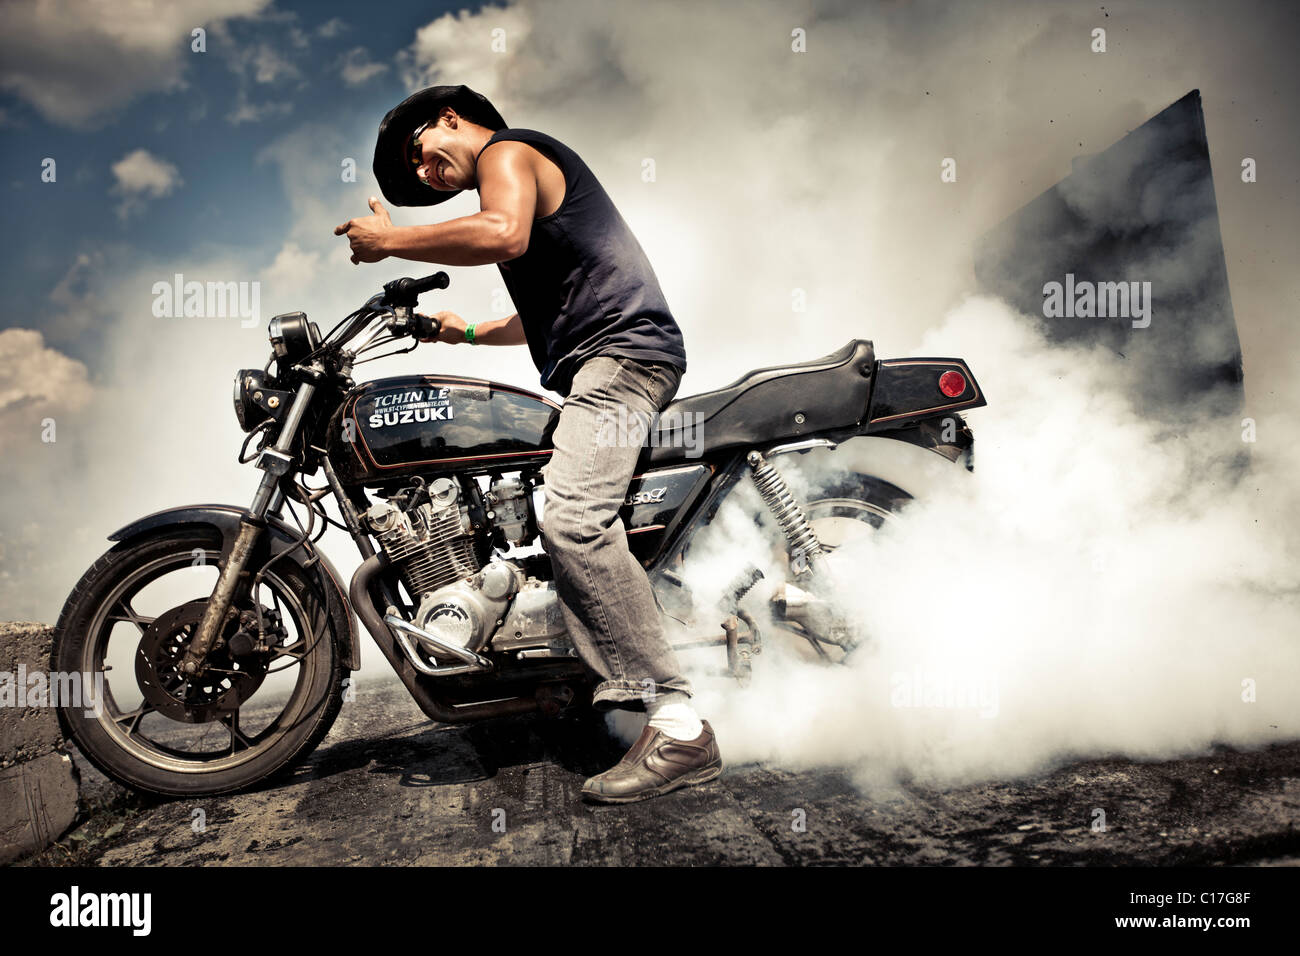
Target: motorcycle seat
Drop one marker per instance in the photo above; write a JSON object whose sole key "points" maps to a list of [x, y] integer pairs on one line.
{"points": [[766, 405]]}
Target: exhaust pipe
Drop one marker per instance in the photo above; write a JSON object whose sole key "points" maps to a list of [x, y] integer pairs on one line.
{"points": [[404, 630], [435, 708]]}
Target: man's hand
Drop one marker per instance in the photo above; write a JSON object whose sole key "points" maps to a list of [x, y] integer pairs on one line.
{"points": [[508, 331], [452, 328], [368, 234]]}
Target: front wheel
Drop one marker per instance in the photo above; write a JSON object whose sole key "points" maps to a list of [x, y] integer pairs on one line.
{"points": [[257, 710]]}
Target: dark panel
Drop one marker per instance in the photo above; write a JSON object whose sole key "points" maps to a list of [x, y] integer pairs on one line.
{"points": [[655, 503], [1141, 211], [908, 390], [767, 405]]}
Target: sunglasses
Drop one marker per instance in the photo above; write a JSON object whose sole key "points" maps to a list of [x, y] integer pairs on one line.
{"points": [[416, 151]]}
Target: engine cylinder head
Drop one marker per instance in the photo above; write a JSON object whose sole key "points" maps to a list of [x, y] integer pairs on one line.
{"points": [[430, 544]]}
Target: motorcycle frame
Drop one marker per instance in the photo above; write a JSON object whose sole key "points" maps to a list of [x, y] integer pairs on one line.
{"points": [[253, 538], [374, 586]]}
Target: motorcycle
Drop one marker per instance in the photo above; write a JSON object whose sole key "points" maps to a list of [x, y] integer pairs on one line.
{"points": [[438, 481]]}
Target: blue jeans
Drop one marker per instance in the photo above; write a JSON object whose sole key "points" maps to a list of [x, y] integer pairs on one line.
{"points": [[605, 596]]}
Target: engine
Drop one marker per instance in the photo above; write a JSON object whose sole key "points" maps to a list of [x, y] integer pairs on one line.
{"points": [[428, 534]]}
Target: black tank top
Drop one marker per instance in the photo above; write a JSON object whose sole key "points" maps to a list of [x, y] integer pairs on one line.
{"points": [[584, 287]]}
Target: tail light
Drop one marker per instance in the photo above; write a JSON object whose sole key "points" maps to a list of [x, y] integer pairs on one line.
{"points": [[952, 384]]}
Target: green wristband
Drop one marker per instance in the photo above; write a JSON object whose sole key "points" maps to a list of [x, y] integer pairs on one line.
{"points": [[469, 334]]}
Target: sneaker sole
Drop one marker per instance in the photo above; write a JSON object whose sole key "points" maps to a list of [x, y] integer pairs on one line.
{"points": [[703, 775]]}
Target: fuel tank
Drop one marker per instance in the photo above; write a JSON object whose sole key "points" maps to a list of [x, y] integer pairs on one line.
{"points": [[392, 428]]}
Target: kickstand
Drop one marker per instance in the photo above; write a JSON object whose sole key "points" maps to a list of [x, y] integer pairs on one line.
{"points": [[741, 646]]}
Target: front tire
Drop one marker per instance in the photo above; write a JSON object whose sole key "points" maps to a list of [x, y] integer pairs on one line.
{"points": [[169, 742]]}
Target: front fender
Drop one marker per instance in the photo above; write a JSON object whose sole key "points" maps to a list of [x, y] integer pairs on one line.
{"points": [[225, 519]]}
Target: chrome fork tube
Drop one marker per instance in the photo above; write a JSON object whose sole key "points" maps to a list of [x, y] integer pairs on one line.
{"points": [[275, 462]]}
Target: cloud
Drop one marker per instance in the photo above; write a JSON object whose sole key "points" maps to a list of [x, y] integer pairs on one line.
{"points": [[262, 62], [357, 67], [245, 111], [820, 171], [161, 390], [36, 382], [293, 266], [275, 62], [86, 301], [141, 176], [331, 28], [459, 45], [75, 65], [43, 393], [140, 172]]}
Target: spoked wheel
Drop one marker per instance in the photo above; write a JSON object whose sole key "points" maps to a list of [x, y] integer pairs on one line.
{"points": [[850, 510], [256, 710]]}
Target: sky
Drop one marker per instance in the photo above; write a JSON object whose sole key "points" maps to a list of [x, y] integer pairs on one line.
{"points": [[165, 152], [779, 161]]}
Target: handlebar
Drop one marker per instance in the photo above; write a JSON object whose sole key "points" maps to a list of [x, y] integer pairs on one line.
{"points": [[406, 291], [402, 295], [397, 303], [426, 327]]}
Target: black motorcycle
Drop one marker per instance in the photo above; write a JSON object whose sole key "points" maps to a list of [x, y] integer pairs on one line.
{"points": [[437, 478]]}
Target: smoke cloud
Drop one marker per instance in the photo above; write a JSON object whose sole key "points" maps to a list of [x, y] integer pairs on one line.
{"points": [[1097, 586]]}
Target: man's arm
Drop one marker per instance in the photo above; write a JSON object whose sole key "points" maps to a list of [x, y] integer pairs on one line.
{"points": [[507, 186], [507, 331]]}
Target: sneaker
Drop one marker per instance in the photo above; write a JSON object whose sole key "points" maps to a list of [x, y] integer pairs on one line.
{"points": [[655, 765]]}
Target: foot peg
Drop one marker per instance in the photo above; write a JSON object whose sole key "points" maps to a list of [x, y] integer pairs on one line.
{"points": [[817, 619]]}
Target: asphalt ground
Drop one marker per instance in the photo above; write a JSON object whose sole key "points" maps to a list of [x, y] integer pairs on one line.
{"points": [[389, 787]]}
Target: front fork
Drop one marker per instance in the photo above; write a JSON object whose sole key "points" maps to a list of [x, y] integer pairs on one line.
{"points": [[275, 461]]}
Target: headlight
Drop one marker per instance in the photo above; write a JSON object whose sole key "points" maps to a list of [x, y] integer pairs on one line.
{"points": [[246, 381], [255, 402]]}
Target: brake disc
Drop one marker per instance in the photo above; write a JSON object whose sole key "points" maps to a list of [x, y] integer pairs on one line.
{"points": [[223, 686]]}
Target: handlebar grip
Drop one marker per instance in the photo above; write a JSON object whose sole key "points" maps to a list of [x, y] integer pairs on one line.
{"points": [[439, 280], [405, 291], [410, 287]]}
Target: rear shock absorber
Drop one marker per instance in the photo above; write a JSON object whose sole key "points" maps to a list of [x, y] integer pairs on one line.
{"points": [[805, 549]]}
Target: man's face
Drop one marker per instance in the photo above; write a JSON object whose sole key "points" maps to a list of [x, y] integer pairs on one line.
{"points": [[445, 163]]}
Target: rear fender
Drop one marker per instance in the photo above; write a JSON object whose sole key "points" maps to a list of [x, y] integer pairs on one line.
{"points": [[907, 404], [948, 436], [225, 519]]}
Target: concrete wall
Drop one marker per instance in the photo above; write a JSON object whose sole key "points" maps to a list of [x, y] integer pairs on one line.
{"points": [[38, 782]]}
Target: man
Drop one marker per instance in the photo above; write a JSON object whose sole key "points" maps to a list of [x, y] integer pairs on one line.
{"points": [[601, 334]]}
